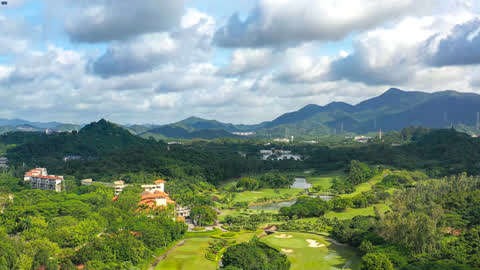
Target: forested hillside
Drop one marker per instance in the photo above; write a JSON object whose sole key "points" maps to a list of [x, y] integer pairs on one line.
{"points": [[105, 151]]}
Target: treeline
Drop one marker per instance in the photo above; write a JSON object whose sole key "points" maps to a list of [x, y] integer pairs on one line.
{"points": [[273, 179], [439, 152]]}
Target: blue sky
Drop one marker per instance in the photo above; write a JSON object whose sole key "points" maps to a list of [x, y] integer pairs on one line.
{"points": [[242, 61]]}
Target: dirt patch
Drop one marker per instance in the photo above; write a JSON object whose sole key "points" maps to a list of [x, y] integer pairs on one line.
{"points": [[283, 236], [314, 244], [287, 250]]}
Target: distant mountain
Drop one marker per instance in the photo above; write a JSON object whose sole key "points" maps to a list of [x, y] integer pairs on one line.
{"points": [[395, 109], [9, 125], [392, 110]]}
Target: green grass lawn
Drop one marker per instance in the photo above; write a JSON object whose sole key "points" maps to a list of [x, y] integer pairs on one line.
{"points": [[325, 180], [191, 256], [352, 212], [302, 256], [367, 186], [252, 196]]}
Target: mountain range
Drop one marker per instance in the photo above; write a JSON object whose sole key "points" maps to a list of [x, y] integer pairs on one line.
{"points": [[395, 109]]}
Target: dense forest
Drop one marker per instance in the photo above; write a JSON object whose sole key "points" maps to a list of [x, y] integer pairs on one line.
{"points": [[82, 227]]}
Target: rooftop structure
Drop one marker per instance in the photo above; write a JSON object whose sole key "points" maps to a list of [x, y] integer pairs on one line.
{"points": [[39, 179]]}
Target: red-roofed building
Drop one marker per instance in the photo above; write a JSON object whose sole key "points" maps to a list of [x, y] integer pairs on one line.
{"points": [[154, 196], [39, 179]]}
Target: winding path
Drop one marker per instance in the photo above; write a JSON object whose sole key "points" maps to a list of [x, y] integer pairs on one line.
{"points": [[164, 256]]}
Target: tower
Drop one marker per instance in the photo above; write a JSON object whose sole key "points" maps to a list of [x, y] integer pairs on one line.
{"points": [[380, 134], [478, 120]]}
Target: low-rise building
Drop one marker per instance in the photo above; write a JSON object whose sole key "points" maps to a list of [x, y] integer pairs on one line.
{"points": [[3, 162], [361, 139], [71, 157], [247, 133], [86, 182], [118, 186], [277, 154], [39, 179], [182, 211]]}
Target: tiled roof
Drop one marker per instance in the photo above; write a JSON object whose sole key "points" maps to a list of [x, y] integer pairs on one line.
{"points": [[159, 181]]}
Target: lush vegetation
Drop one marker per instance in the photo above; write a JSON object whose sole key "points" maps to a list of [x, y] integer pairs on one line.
{"points": [[434, 225], [254, 255], [82, 227], [305, 207]]}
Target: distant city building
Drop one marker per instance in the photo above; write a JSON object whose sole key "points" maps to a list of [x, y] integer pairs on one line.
{"points": [[48, 131], [171, 143], [39, 179], [3, 162], [71, 157], [284, 140], [86, 182], [277, 154], [249, 133], [118, 186], [310, 142], [361, 139]]}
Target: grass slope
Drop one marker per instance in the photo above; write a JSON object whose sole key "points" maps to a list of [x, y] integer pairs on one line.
{"points": [[252, 196], [191, 256]]}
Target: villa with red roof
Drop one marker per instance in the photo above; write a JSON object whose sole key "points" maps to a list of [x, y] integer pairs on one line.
{"points": [[154, 196], [39, 179]]}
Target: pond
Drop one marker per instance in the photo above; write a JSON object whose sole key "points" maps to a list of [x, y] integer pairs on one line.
{"points": [[278, 205], [301, 183]]}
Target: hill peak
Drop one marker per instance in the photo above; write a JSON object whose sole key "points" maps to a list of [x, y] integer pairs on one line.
{"points": [[393, 91]]}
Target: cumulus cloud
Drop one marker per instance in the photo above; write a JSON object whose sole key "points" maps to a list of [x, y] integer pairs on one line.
{"points": [[188, 44], [300, 65], [248, 60], [390, 56], [459, 47], [108, 20], [275, 22]]}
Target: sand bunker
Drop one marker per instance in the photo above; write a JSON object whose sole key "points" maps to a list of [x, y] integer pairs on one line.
{"points": [[287, 250], [283, 236], [314, 244]]}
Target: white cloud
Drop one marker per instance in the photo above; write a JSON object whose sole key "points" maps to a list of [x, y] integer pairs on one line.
{"points": [[108, 20], [188, 44], [249, 60], [276, 22]]}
